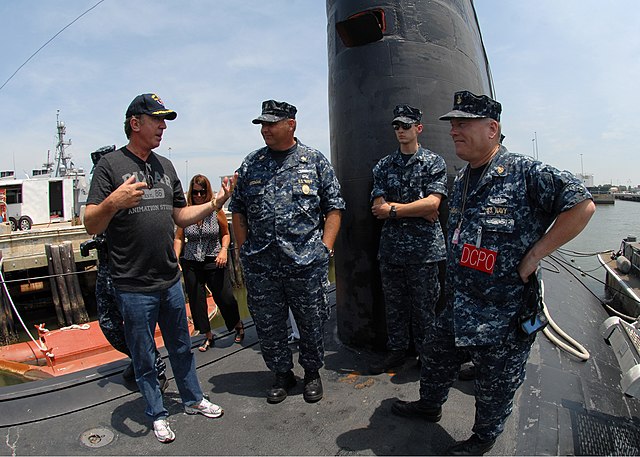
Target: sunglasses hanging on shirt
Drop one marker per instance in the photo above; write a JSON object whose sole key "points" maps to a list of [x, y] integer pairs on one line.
{"points": [[148, 176]]}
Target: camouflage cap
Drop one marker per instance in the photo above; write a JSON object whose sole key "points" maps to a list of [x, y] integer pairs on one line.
{"points": [[407, 114], [151, 105], [273, 111], [471, 106]]}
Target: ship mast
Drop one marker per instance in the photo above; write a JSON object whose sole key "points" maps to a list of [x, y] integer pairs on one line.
{"points": [[64, 163], [48, 165]]}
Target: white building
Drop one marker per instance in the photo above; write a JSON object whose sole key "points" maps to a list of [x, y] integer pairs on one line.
{"points": [[586, 179]]}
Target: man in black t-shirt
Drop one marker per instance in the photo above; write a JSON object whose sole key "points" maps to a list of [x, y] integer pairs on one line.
{"points": [[135, 198]]}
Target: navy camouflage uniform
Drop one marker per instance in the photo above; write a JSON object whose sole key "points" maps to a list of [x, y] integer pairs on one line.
{"points": [[511, 207], [410, 247], [284, 260], [109, 316]]}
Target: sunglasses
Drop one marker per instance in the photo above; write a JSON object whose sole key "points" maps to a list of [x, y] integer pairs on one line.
{"points": [[148, 175], [403, 125], [199, 193]]}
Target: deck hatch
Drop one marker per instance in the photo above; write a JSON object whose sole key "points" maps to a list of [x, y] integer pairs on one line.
{"points": [[362, 28]]}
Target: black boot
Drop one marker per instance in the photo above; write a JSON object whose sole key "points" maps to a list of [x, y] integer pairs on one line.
{"points": [[472, 446], [391, 360], [312, 387], [417, 409], [284, 382]]}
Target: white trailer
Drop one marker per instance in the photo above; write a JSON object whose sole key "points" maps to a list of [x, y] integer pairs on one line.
{"points": [[39, 200]]}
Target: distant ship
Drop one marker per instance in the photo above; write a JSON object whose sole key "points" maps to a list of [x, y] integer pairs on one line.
{"points": [[51, 194]]}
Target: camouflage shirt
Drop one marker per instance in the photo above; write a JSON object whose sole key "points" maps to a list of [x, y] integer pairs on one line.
{"points": [[410, 240], [512, 206], [285, 206]]}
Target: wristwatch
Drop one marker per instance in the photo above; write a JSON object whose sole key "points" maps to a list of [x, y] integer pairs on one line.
{"points": [[392, 212]]}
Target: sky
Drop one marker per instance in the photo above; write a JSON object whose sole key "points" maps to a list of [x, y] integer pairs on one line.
{"points": [[567, 74]]}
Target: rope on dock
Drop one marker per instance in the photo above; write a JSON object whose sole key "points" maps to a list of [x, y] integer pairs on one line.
{"points": [[77, 327]]}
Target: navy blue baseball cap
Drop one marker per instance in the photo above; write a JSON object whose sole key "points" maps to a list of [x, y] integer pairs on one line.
{"points": [[151, 105]]}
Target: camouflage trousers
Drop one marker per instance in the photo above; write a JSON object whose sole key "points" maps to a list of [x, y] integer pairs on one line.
{"points": [[500, 370], [110, 318], [410, 296], [271, 291]]}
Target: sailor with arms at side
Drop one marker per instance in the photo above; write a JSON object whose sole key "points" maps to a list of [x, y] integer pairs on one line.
{"points": [[286, 212], [507, 212]]}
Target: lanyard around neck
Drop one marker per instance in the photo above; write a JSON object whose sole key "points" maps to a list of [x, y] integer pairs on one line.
{"points": [[467, 172]]}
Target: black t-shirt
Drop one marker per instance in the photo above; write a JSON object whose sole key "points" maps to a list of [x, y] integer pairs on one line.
{"points": [[281, 156], [474, 176], [406, 157], [141, 255]]}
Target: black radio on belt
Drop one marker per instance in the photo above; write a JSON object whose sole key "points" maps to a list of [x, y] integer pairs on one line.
{"points": [[532, 318]]}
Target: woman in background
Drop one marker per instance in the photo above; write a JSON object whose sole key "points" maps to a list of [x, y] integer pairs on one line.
{"points": [[202, 250]]}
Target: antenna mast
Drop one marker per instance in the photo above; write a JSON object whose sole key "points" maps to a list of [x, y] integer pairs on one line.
{"points": [[64, 164]]}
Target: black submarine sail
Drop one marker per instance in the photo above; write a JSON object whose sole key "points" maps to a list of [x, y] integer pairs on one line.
{"points": [[383, 53]]}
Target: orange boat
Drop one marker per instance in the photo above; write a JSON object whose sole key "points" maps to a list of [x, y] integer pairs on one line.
{"points": [[68, 350], [27, 273]]}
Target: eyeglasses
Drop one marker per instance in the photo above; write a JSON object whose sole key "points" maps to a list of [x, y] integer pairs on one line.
{"points": [[199, 193], [148, 175], [403, 125]]}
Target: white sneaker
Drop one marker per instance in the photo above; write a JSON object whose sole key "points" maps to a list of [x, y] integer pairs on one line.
{"points": [[205, 407], [163, 431]]}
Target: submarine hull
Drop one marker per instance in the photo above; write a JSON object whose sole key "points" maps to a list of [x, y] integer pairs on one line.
{"points": [[382, 54]]}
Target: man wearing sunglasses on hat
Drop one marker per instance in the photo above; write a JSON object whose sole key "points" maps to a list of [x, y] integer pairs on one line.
{"points": [[408, 186], [136, 198]]}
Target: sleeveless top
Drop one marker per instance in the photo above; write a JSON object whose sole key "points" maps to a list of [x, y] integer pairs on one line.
{"points": [[203, 240]]}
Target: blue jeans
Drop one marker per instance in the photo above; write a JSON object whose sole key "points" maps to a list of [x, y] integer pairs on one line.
{"points": [[141, 312]]}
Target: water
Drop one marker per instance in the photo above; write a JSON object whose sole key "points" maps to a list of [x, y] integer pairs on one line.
{"points": [[608, 226], [9, 379]]}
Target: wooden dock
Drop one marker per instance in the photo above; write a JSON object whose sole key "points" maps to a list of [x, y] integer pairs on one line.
{"points": [[628, 197], [46, 278], [24, 250], [603, 198]]}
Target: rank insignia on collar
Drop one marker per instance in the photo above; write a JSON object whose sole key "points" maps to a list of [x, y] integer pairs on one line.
{"points": [[500, 169]]}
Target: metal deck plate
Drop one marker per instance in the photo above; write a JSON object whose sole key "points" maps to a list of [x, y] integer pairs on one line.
{"points": [[600, 434]]}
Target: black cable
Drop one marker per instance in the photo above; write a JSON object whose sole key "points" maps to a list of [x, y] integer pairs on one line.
{"points": [[614, 291], [50, 40]]}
